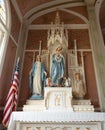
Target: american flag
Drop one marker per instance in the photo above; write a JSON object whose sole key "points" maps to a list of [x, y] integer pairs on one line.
{"points": [[11, 101]]}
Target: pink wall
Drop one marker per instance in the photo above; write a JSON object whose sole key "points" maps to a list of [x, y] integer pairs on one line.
{"points": [[90, 79], [26, 5], [15, 28], [67, 18], [7, 71]]}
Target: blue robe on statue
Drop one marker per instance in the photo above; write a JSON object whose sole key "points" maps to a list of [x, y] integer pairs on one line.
{"points": [[57, 69]]}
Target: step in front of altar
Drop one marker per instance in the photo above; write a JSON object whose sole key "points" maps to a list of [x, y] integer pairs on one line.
{"points": [[59, 99], [81, 102], [34, 105], [82, 106]]}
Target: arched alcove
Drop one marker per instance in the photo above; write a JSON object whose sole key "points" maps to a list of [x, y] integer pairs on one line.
{"points": [[76, 21]]}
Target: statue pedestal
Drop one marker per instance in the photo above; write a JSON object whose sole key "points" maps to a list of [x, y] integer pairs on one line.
{"points": [[58, 98]]}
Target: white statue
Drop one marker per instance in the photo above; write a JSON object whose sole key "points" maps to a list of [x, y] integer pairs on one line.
{"points": [[37, 79], [78, 87], [67, 82]]}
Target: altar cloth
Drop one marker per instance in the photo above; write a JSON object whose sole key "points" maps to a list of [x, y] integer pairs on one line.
{"points": [[58, 116]]}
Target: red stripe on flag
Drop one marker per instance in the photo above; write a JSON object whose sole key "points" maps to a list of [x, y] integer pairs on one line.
{"points": [[7, 107]]}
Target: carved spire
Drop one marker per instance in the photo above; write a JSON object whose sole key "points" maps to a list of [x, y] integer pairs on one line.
{"points": [[57, 34], [57, 19]]}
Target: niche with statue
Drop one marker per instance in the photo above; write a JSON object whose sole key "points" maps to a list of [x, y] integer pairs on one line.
{"points": [[62, 63], [64, 84]]}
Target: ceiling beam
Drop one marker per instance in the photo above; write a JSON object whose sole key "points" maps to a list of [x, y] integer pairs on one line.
{"points": [[50, 5], [66, 26], [17, 9], [90, 2], [37, 14]]}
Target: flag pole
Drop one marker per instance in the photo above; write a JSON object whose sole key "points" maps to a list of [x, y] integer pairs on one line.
{"points": [[18, 60]]}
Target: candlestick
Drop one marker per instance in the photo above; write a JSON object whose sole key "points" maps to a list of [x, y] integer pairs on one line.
{"points": [[40, 48]]}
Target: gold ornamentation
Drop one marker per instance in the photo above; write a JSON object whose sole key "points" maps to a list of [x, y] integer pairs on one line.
{"points": [[28, 128], [77, 128], [38, 128], [65, 128], [57, 100], [87, 128]]}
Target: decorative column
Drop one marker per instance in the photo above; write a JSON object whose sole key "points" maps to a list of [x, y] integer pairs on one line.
{"points": [[98, 53], [20, 51]]}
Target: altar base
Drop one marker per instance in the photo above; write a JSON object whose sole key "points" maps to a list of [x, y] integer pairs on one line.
{"points": [[55, 99], [59, 99], [47, 120]]}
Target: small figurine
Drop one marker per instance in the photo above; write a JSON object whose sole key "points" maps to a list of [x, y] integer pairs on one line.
{"points": [[48, 82], [68, 82]]}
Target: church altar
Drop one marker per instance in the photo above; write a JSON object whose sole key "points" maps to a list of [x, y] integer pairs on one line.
{"points": [[57, 112], [52, 120], [56, 109]]}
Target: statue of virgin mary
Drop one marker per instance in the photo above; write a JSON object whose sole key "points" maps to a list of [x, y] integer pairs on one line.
{"points": [[58, 67]]}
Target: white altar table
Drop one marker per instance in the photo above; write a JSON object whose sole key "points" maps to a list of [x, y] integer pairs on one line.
{"points": [[17, 118]]}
